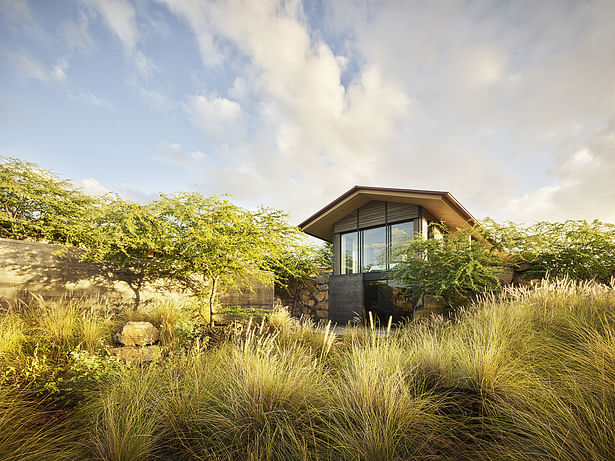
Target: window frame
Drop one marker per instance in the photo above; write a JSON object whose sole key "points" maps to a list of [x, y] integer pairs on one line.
{"points": [[360, 243]]}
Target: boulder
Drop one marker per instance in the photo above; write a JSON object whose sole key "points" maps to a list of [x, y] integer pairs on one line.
{"points": [[137, 334], [137, 354]]}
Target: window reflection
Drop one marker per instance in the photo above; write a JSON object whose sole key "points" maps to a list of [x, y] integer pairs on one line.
{"points": [[366, 250], [400, 233], [374, 248], [350, 253]]}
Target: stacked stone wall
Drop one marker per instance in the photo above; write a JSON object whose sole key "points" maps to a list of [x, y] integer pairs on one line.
{"points": [[307, 299]]}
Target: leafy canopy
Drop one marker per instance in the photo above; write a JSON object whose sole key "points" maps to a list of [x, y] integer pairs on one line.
{"points": [[456, 267], [577, 249], [130, 236], [35, 204], [212, 243]]}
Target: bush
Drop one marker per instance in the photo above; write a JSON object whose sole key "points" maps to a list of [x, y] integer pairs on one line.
{"points": [[456, 267], [577, 249]]}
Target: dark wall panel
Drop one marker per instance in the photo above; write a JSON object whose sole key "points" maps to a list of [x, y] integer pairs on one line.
{"points": [[346, 224], [345, 298]]}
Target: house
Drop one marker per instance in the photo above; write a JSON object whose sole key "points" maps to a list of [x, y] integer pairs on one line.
{"points": [[363, 224]]}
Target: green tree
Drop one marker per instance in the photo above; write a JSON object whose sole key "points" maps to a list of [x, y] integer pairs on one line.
{"points": [[215, 244], [36, 204], [577, 249], [129, 236], [457, 267]]}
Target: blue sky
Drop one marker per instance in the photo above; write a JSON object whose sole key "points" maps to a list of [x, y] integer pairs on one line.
{"points": [[510, 106]]}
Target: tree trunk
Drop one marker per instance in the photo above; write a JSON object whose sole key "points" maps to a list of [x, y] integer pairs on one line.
{"points": [[137, 289], [212, 299]]}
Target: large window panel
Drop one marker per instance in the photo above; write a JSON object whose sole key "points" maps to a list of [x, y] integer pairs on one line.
{"points": [[374, 249], [400, 233], [349, 253]]}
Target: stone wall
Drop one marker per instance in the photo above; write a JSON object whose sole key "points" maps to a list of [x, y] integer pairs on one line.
{"points": [[310, 299], [54, 271]]}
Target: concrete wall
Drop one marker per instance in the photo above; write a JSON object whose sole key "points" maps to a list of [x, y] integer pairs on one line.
{"points": [[54, 271]]}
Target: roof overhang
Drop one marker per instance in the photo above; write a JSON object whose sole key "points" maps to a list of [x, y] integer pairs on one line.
{"points": [[442, 205]]}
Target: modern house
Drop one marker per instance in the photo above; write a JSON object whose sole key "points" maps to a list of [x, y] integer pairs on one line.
{"points": [[363, 225]]}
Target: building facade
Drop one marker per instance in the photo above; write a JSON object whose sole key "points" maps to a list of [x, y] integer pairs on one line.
{"points": [[364, 224]]}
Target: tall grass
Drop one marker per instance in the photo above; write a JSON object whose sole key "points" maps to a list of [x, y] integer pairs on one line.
{"points": [[29, 431], [526, 375], [124, 421]]}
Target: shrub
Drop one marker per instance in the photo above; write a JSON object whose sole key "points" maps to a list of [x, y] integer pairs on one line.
{"points": [[577, 249], [456, 267]]}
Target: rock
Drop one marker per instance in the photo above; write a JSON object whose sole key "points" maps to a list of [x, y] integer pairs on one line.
{"points": [[320, 296], [506, 276], [137, 354], [322, 314], [137, 334]]}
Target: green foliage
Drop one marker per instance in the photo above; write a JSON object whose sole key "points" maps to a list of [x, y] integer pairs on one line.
{"points": [[575, 248], [295, 267], [35, 204], [456, 267], [129, 235], [212, 243]]}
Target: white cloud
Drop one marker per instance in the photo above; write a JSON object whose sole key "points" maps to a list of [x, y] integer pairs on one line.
{"points": [[582, 188], [174, 153], [214, 115], [154, 98], [16, 10], [31, 68], [120, 17], [311, 132], [90, 99], [92, 186], [76, 34]]}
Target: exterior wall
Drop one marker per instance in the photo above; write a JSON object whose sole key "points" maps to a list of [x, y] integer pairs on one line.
{"points": [[345, 298], [54, 271]]}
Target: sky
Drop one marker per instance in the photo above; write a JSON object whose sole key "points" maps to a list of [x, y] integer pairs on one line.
{"points": [[508, 105]]}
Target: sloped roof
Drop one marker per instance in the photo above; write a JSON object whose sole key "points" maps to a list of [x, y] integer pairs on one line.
{"points": [[442, 205]]}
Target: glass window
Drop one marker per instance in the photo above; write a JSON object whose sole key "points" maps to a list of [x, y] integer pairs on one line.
{"points": [[350, 253], [374, 249], [400, 233]]}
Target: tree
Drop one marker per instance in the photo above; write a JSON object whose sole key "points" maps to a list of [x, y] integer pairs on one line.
{"points": [[35, 204], [575, 248], [129, 235], [213, 243], [456, 267]]}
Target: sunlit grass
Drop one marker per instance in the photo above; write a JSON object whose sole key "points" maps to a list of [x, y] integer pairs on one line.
{"points": [[526, 375]]}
